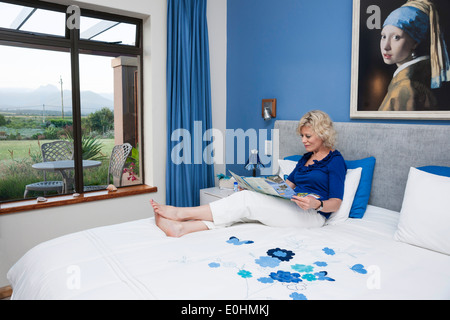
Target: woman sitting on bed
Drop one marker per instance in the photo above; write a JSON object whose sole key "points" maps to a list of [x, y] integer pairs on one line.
{"points": [[321, 171]]}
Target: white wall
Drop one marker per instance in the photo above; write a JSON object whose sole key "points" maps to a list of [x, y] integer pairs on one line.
{"points": [[19, 232], [217, 29]]}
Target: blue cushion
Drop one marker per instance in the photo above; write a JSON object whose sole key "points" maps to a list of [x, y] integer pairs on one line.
{"points": [[293, 158], [362, 195], [440, 171]]}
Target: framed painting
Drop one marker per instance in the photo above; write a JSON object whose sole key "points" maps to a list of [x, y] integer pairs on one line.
{"points": [[392, 77]]}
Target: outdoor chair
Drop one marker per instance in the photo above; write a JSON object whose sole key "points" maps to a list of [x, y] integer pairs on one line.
{"points": [[117, 162], [51, 151]]}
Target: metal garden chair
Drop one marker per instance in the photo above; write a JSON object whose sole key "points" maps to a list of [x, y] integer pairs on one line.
{"points": [[117, 162], [51, 151]]}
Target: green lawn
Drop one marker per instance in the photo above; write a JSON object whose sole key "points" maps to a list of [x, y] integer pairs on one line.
{"points": [[16, 173], [21, 149]]}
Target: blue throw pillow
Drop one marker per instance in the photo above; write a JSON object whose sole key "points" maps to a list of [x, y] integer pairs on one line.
{"points": [[440, 171], [293, 158], [362, 195]]}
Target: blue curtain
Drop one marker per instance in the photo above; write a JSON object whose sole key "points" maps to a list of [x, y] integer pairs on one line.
{"points": [[188, 102]]}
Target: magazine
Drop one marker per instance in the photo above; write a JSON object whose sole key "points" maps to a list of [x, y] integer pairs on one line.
{"points": [[272, 185]]}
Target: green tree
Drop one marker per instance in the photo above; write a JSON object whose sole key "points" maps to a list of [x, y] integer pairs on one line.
{"points": [[2, 120], [101, 120]]}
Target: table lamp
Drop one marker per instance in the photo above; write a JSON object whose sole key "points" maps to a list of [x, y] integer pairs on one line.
{"points": [[253, 162]]}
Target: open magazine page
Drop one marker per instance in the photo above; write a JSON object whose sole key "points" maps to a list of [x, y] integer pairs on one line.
{"points": [[241, 182], [271, 185], [260, 185]]}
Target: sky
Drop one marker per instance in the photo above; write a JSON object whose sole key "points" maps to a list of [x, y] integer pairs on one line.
{"points": [[32, 68], [41, 67]]}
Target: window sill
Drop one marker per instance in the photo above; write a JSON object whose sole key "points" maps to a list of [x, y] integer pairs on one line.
{"points": [[56, 201]]}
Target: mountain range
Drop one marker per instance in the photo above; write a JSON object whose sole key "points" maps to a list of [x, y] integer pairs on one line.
{"points": [[50, 97]]}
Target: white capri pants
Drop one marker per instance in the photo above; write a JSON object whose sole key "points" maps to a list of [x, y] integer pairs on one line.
{"points": [[250, 206]]}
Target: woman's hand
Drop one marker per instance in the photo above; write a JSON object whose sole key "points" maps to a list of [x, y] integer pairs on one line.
{"points": [[307, 202]]}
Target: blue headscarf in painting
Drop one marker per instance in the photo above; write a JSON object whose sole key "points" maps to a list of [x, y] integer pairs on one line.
{"points": [[411, 20]]}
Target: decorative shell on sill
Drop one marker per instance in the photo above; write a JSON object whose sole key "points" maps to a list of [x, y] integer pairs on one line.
{"points": [[111, 188]]}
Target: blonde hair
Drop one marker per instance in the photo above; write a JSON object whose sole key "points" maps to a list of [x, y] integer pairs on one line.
{"points": [[321, 124]]}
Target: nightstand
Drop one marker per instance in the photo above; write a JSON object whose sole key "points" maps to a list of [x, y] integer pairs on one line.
{"points": [[212, 194]]}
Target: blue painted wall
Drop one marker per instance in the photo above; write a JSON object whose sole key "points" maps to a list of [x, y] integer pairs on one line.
{"points": [[297, 51]]}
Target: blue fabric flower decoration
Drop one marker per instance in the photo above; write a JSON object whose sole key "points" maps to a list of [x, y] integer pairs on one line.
{"points": [[297, 296], [237, 242], [214, 265], [265, 280], [321, 276], [359, 268], [268, 262], [281, 254], [245, 274], [285, 276], [302, 268], [309, 277], [328, 251]]}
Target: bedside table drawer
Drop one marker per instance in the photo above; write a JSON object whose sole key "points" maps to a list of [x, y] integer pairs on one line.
{"points": [[213, 194]]}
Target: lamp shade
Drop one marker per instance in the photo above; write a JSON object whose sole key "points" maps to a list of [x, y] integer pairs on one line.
{"points": [[267, 115], [253, 162]]}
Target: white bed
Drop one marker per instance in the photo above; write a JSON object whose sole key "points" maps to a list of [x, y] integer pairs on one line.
{"points": [[136, 260], [352, 259]]}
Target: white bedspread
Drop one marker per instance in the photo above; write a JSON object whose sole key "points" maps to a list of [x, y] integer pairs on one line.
{"points": [[355, 260]]}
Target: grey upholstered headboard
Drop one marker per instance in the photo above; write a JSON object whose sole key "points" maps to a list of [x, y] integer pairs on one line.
{"points": [[396, 147]]}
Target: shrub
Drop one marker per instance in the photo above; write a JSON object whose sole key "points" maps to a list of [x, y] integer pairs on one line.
{"points": [[61, 123], [51, 133], [91, 146]]}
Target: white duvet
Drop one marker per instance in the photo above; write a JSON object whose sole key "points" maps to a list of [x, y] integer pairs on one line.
{"points": [[357, 259]]}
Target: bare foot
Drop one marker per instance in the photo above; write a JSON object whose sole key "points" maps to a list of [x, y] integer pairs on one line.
{"points": [[171, 228], [168, 212]]}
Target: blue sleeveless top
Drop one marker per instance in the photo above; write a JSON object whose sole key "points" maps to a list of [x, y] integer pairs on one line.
{"points": [[325, 177]]}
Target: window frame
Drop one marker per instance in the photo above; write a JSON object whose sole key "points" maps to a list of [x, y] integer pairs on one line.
{"points": [[63, 200], [72, 43]]}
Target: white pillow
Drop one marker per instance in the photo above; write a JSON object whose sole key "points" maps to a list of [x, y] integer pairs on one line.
{"points": [[286, 167], [425, 217], [352, 178]]}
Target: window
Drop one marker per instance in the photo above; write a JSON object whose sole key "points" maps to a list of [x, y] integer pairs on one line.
{"points": [[81, 86], [107, 31], [17, 17]]}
